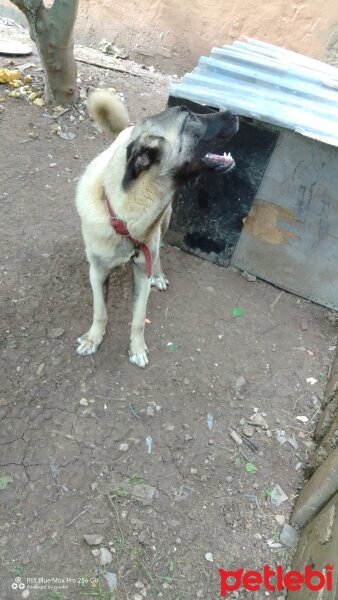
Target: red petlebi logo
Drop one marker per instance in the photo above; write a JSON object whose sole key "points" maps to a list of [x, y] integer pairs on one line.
{"points": [[276, 579]]}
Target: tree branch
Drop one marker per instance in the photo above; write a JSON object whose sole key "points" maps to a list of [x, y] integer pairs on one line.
{"points": [[27, 5]]}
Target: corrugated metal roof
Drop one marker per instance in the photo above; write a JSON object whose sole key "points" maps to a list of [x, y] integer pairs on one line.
{"points": [[268, 83]]}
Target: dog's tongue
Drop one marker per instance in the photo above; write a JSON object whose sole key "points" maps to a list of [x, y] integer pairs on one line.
{"points": [[219, 161]]}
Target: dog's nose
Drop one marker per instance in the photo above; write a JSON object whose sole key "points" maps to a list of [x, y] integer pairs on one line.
{"points": [[230, 115]]}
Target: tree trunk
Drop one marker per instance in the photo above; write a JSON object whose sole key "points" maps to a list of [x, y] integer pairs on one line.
{"points": [[52, 31]]}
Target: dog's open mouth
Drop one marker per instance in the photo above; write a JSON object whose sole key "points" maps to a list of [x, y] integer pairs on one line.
{"points": [[221, 163]]}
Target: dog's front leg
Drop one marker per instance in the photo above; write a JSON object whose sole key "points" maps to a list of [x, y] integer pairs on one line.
{"points": [[138, 349], [159, 279], [99, 279]]}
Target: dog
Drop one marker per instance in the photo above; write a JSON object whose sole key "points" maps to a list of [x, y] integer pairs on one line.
{"points": [[124, 199]]}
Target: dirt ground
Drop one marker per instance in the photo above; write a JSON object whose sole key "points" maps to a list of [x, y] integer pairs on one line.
{"points": [[74, 429]]}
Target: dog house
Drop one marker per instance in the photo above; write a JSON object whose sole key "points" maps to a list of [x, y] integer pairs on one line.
{"points": [[276, 214]]}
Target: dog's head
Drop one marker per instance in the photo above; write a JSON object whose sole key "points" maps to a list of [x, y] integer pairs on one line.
{"points": [[179, 143]]}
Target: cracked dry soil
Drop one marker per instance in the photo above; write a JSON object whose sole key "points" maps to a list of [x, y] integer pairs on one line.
{"points": [[63, 417]]}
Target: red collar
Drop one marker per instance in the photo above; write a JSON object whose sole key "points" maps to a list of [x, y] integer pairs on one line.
{"points": [[121, 228]]}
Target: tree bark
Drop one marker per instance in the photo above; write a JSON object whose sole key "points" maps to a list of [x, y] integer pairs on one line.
{"points": [[52, 31]]}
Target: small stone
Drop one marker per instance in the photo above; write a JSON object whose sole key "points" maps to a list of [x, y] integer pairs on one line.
{"points": [[139, 585], [83, 402], [169, 427], [94, 485], [96, 552], [211, 442], [229, 479], [166, 585], [258, 420], [248, 431], [25, 594], [111, 580], [93, 539], [209, 557], [280, 519], [240, 383], [248, 276], [257, 536], [138, 597], [178, 541], [278, 496], [289, 536], [55, 332], [123, 447], [3, 540], [106, 557], [150, 411], [199, 594]]}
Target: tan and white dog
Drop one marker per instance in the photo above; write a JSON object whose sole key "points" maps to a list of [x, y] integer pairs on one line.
{"points": [[124, 199]]}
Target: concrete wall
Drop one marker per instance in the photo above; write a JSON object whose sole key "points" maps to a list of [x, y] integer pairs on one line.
{"points": [[172, 34]]}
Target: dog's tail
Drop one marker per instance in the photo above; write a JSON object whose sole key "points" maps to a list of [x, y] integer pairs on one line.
{"points": [[108, 111]]}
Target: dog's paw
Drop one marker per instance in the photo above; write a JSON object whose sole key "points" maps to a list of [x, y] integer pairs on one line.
{"points": [[86, 346], [140, 359], [160, 282]]}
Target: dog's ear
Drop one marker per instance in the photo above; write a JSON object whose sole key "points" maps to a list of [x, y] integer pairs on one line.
{"points": [[141, 154]]}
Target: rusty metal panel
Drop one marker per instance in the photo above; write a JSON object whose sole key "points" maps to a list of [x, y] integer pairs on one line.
{"points": [[290, 237]]}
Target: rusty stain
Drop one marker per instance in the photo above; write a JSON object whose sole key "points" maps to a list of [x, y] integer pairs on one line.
{"points": [[263, 222]]}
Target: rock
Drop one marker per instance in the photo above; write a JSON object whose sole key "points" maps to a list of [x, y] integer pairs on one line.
{"points": [[55, 332], [168, 427], [139, 585], [289, 536], [106, 557], [240, 383], [111, 580], [278, 496], [248, 431], [140, 491], [138, 597], [209, 557], [280, 519], [83, 402], [123, 447], [248, 276], [93, 539], [25, 594], [258, 420], [96, 552], [150, 411]]}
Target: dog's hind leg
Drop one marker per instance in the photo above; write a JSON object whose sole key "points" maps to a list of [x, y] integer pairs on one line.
{"points": [[159, 279], [138, 349], [99, 279]]}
